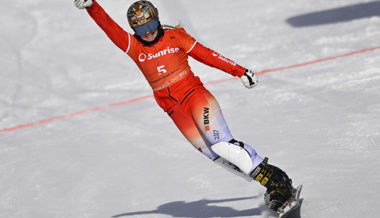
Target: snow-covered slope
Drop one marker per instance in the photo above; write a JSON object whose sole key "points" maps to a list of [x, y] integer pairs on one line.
{"points": [[319, 122]]}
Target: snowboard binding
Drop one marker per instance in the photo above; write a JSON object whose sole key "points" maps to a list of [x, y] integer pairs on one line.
{"points": [[278, 184]]}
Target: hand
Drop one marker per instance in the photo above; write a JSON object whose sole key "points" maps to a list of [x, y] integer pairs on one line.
{"points": [[82, 4], [249, 79]]}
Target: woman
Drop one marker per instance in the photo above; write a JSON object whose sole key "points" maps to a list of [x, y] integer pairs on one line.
{"points": [[161, 54]]}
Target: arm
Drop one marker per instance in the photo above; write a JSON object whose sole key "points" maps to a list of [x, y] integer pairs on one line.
{"points": [[118, 36], [213, 59]]}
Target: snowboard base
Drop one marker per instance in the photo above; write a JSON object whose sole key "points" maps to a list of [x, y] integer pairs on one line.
{"points": [[291, 204]]}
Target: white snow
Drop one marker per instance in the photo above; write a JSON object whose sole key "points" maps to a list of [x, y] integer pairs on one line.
{"points": [[320, 123]]}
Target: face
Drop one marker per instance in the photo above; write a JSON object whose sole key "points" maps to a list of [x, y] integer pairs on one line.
{"points": [[149, 37]]}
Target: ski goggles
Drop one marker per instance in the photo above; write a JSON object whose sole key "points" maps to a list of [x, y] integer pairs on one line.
{"points": [[149, 27]]}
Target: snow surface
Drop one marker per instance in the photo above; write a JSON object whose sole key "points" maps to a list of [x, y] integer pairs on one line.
{"points": [[320, 123]]}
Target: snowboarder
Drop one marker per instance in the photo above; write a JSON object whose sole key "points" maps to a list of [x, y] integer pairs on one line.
{"points": [[161, 53]]}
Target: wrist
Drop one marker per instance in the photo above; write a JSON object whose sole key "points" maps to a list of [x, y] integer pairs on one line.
{"points": [[241, 72]]}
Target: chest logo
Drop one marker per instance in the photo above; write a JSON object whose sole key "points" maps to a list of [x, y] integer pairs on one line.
{"points": [[147, 57]]}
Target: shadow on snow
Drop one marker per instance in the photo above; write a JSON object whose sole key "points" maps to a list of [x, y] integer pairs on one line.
{"points": [[201, 208], [336, 15]]}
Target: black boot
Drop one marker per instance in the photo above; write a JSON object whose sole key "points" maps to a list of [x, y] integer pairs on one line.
{"points": [[278, 184]]}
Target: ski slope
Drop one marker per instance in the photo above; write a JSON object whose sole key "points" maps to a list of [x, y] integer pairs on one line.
{"points": [[81, 136]]}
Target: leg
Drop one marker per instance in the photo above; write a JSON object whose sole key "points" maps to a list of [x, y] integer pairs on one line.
{"points": [[182, 118], [201, 121], [208, 116], [236, 155]]}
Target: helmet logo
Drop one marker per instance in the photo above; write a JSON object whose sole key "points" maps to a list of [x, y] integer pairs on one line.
{"points": [[140, 13]]}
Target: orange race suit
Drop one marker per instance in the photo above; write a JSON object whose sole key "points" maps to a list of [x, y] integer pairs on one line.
{"points": [[178, 92]]}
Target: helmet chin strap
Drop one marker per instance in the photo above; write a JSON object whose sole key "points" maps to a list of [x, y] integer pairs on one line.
{"points": [[160, 33]]}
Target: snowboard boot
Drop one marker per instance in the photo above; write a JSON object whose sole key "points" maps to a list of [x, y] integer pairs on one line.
{"points": [[278, 184]]}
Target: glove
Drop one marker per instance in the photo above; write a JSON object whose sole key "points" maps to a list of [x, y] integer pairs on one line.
{"points": [[249, 79], [82, 4]]}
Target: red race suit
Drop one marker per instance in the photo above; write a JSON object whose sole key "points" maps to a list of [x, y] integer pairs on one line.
{"points": [[178, 92]]}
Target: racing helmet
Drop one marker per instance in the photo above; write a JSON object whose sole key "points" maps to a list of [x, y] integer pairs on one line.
{"points": [[143, 17]]}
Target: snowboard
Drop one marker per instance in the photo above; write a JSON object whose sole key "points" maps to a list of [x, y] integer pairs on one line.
{"points": [[291, 204]]}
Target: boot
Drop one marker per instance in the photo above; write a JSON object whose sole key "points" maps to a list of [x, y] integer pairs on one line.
{"points": [[278, 184]]}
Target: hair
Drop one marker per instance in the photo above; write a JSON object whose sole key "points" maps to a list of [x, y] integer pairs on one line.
{"points": [[166, 26]]}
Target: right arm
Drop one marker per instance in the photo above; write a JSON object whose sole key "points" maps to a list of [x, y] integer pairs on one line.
{"points": [[118, 36]]}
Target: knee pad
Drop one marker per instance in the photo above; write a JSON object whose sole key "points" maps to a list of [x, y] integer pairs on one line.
{"points": [[235, 154]]}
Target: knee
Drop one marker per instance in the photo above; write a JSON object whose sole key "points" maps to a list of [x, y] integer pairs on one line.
{"points": [[235, 154], [238, 153], [252, 152]]}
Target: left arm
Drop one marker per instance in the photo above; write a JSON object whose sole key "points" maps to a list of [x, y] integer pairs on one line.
{"points": [[213, 59]]}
